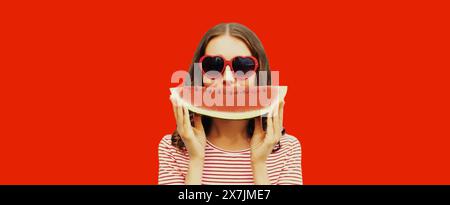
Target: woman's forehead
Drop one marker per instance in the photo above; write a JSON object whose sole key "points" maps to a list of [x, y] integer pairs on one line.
{"points": [[227, 46]]}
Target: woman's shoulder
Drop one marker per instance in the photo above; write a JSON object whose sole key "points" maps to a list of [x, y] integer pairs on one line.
{"points": [[166, 141], [290, 140]]}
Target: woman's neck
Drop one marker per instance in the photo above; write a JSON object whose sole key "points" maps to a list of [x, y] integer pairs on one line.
{"points": [[229, 134]]}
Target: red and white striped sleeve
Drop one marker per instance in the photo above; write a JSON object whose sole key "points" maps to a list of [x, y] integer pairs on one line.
{"points": [[291, 174], [169, 172]]}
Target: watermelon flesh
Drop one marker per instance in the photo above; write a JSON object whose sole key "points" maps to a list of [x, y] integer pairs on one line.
{"points": [[232, 103]]}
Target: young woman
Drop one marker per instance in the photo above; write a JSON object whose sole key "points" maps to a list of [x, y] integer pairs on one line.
{"points": [[205, 150]]}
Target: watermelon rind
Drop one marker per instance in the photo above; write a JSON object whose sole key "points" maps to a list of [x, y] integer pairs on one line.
{"points": [[282, 91]]}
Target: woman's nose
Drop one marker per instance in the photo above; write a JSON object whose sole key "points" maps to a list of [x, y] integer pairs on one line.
{"points": [[228, 77]]}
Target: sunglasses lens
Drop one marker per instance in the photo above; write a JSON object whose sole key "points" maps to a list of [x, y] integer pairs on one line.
{"points": [[212, 65], [242, 65]]}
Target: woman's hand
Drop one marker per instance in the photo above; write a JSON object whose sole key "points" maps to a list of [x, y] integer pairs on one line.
{"points": [[194, 138], [263, 142]]}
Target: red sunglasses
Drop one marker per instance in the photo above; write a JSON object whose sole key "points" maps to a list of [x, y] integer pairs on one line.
{"points": [[213, 65]]}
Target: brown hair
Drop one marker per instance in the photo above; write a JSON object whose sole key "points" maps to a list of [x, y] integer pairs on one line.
{"points": [[254, 44]]}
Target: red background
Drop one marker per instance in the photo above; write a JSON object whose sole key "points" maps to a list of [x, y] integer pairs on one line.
{"points": [[85, 99]]}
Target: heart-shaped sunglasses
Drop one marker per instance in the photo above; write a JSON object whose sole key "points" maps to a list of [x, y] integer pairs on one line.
{"points": [[212, 66]]}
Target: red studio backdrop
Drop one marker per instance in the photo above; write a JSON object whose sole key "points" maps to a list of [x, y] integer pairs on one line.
{"points": [[85, 86]]}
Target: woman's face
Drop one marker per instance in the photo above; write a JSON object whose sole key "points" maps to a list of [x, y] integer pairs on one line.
{"points": [[228, 47]]}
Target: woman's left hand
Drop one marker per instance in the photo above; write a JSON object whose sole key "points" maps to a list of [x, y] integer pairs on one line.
{"points": [[263, 142]]}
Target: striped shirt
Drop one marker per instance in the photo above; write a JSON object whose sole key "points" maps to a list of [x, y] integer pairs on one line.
{"points": [[231, 167]]}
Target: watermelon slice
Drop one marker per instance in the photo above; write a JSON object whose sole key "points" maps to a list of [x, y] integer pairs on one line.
{"points": [[228, 102]]}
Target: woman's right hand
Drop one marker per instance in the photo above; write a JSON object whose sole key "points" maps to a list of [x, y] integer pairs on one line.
{"points": [[194, 138]]}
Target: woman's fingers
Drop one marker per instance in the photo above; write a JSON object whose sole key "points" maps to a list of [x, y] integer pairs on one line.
{"points": [[276, 124], [269, 128], [176, 111], [186, 118], [172, 100], [179, 113], [276, 119], [198, 121], [182, 118], [279, 122]]}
